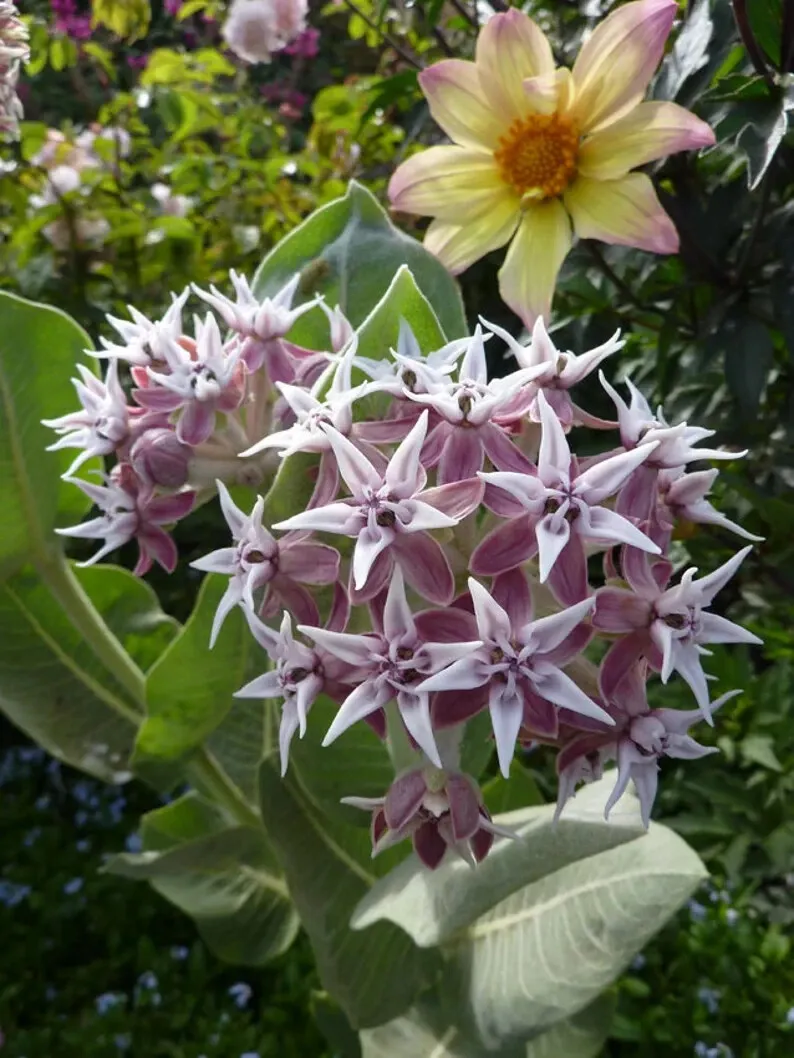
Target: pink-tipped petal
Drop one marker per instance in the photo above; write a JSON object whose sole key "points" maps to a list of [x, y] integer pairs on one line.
{"points": [[492, 621], [615, 64], [425, 567], [648, 132], [711, 584], [529, 273], [622, 212], [404, 799], [510, 48], [554, 457], [457, 102], [502, 452], [369, 544], [459, 245], [507, 715], [397, 616], [605, 477], [365, 699], [334, 518], [548, 633], [355, 650], [310, 563], [405, 474], [196, 423], [415, 713], [557, 687], [448, 182], [568, 575], [607, 528], [464, 807], [553, 533], [457, 499], [355, 468]]}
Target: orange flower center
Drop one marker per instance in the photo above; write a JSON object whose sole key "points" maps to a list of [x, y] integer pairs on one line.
{"points": [[537, 156]]}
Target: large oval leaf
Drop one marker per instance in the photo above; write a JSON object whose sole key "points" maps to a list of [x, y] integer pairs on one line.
{"points": [[375, 974], [432, 907], [225, 877], [39, 347], [52, 684], [349, 251]]}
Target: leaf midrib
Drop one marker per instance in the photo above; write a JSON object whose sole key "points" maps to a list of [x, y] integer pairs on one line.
{"points": [[38, 550]]}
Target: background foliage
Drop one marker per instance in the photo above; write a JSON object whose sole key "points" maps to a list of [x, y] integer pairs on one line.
{"points": [[711, 336]]}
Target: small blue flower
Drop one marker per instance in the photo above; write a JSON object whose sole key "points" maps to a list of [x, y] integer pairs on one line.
{"points": [[701, 1049], [133, 842], [109, 1001], [638, 962], [241, 994], [696, 910], [250, 1054], [123, 1041], [74, 885], [790, 1016], [43, 803], [31, 837], [710, 998], [148, 980], [179, 952], [50, 993], [731, 916], [83, 845], [81, 818], [11, 893]]}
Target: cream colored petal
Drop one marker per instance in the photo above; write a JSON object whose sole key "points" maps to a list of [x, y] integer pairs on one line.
{"points": [[616, 62], [448, 182], [510, 48], [625, 212], [459, 245], [648, 132], [458, 104], [529, 273]]}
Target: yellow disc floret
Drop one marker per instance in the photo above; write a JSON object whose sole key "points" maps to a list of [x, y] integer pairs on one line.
{"points": [[537, 155]]}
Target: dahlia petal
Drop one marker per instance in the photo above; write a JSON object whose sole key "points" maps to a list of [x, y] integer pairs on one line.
{"points": [[510, 48], [425, 567], [529, 273], [456, 100], [459, 245], [622, 212], [615, 64], [648, 132], [448, 182]]}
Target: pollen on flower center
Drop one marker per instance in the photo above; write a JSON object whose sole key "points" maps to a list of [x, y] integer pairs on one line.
{"points": [[537, 156]]}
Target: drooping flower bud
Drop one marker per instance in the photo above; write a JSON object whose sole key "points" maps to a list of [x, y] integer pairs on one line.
{"points": [[160, 458]]}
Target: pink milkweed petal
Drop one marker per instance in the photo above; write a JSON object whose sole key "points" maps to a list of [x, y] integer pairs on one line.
{"points": [[548, 633], [405, 474], [607, 528], [429, 846], [354, 466], [156, 544], [295, 599], [507, 714], [195, 423], [450, 708], [619, 660], [504, 548], [404, 799], [511, 591], [425, 567], [464, 807], [341, 518], [554, 457], [622, 212], [553, 533], [539, 716], [415, 712], [310, 563], [434, 443], [605, 477], [378, 579], [617, 610], [553, 684], [568, 575], [166, 509], [157, 399], [712, 583], [369, 544], [446, 626], [500, 502], [716, 629], [502, 452], [365, 699], [457, 499], [493, 622], [397, 615], [615, 64]]}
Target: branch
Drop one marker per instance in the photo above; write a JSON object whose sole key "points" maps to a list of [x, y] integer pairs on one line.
{"points": [[386, 37]]}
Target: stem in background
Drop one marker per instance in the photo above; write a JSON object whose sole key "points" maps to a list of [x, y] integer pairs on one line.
{"points": [[395, 45], [202, 770], [470, 16], [751, 44], [616, 280], [755, 231]]}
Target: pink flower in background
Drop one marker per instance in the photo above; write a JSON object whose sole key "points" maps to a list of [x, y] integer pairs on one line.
{"points": [[173, 7], [254, 29], [305, 46]]}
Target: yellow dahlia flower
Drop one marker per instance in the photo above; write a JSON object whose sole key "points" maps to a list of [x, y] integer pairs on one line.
{"points": [[542, 153]]}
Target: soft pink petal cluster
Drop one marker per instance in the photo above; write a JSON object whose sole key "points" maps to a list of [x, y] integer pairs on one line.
{"points": [[14, 50], [451, 553], [254, 29]]}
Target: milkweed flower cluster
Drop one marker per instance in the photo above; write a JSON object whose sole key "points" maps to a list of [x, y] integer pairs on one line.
{"points": [[541, 153], [14, 49], [446, 553]]}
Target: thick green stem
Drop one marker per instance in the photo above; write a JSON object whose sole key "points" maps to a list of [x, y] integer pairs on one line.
{"points": [[203, 771]]}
